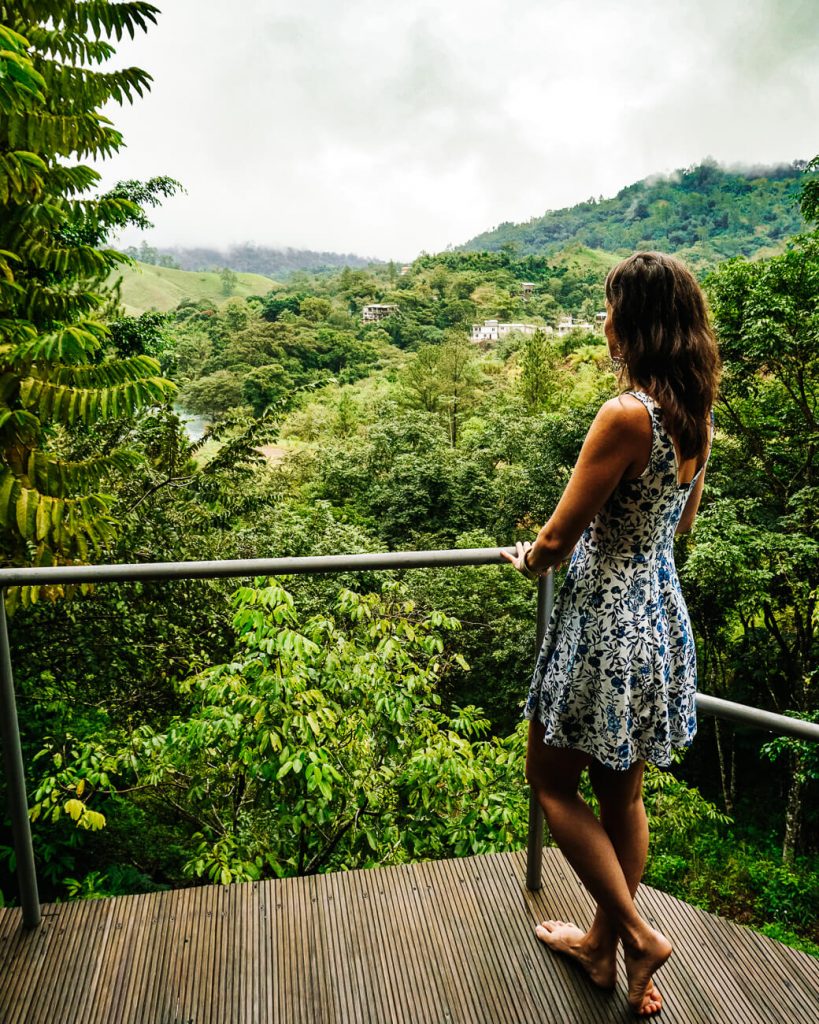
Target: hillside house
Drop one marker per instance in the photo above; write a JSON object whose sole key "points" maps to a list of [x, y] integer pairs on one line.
{"points": [[378, 311], [493, 330], [570, 324]]}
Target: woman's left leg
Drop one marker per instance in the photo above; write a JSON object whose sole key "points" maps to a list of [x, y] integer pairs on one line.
{"points": [[554, 775]]}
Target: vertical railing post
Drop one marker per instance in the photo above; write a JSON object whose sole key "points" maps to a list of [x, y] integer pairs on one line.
{"points": [[16, 781], [534, 846]]}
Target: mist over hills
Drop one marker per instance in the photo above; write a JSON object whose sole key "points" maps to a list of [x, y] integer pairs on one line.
{"points": [[704, 214], [247, 258]]}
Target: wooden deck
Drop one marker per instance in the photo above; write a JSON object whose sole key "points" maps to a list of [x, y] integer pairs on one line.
{"points": [[443, 942]]}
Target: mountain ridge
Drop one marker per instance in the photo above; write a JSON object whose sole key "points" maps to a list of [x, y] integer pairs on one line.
{"points": [[704, 213]]}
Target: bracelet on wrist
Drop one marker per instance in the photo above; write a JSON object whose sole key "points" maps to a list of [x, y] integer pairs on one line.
{"points": [[527, 570]]}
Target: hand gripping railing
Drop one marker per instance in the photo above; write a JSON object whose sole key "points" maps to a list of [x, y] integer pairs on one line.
{"points": [[12, 751]]}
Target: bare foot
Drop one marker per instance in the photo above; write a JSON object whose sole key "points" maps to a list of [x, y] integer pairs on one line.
{"points": [[641, 963], [652, 1001], [564, 937]]}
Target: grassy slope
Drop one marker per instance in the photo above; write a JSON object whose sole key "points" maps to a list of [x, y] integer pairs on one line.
{"points": [[145, 287]]}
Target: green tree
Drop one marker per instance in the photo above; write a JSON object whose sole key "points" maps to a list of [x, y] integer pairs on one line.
{"points": [[538, 364], [763, 532], [266, 386], [229, 280], [53, 288], [215, 393], [461, 381], [421, 380]]}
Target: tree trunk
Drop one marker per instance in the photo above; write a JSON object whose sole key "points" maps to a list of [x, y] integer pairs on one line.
{"points": [[726, 773], [793, 814]]}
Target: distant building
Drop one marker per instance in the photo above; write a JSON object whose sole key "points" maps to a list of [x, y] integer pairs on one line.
{"points": [[570, 324], [492, 330], [527, 288], [405, 269], [378, 311], [600, 319]]}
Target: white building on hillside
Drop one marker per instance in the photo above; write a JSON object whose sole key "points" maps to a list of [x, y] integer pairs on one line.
{"points": [[570, 324], [378, 311], [493, 330]]}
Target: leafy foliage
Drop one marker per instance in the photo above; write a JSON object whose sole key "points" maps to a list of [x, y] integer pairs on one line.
{"points": [[320, 745], [53, 291]]}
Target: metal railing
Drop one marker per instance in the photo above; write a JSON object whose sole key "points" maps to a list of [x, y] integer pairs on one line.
{"points": [[9, 728]]}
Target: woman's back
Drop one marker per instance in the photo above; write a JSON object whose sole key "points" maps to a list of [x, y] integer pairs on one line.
{"points": [[641, 516], [616, 676]]}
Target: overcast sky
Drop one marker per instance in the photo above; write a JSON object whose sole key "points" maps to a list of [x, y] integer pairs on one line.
{"points": [[385, 128]]}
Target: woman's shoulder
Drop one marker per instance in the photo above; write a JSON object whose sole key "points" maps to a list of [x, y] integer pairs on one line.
{"points": [[621, 430], [626, 413]]}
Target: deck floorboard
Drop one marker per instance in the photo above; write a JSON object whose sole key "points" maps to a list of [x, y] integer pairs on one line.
{"points": [[447, 942]]}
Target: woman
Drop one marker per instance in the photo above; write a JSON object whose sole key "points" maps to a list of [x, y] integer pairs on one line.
{"points": [[615, 680]]}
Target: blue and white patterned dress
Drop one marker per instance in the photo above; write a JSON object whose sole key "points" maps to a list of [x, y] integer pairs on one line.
{"points": [[617, 674]]}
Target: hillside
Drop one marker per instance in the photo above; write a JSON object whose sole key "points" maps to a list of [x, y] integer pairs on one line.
{"points": [[145, 287], [704, 214]]}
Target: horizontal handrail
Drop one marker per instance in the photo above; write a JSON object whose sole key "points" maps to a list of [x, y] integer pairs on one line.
{"points": [[746, 714], [41, 576], [382, 560], [234, 568]]}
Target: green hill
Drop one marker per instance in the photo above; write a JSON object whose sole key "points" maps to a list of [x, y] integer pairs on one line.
{"points": [[704, 214], [146, 287]]}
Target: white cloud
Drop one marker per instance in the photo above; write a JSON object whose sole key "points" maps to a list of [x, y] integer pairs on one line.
{"points": [[386, 128]]}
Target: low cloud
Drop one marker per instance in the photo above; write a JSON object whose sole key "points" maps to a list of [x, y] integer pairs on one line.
{"points": [[387, 129]]}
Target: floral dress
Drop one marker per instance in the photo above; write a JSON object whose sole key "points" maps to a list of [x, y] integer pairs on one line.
{"points": [[617, 674]]}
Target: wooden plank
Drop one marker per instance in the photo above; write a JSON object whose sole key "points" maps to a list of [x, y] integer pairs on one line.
{"points": [[159, 933], [687, 980], [218, 990], [422, 993], [26, 957], [767, 970], [515, 916], [357, 948], [267, 922], [129, 972], [201, 1000], [73, 956], [395, 936], [111, 957], [321, 951], [336, 948], [457, 998], [563, 897], [491, 970], [253, 967]]}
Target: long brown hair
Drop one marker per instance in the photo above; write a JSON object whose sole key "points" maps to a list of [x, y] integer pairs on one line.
{"points": [[660, 321]]}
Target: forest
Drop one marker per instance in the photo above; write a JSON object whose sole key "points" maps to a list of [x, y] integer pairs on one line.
{"points": [[207, 732]]}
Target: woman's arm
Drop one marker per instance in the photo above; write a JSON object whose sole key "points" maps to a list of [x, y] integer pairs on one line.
{"points": [[618, 444], [689, 513]]}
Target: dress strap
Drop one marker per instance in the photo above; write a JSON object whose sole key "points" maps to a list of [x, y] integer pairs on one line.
{"points": [[646, 399], [650, 407]]}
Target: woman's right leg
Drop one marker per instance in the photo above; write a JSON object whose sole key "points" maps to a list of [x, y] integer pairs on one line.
{"points": [[623, 816]]}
